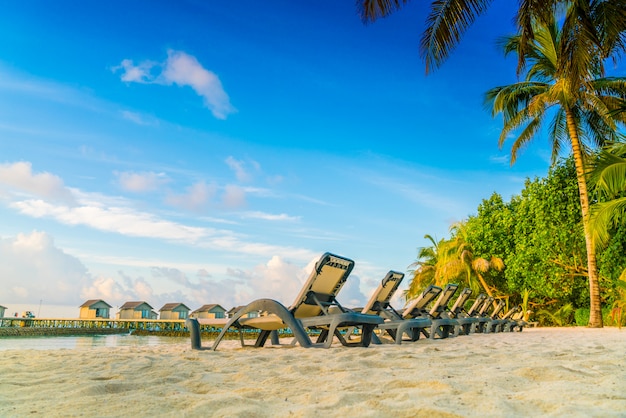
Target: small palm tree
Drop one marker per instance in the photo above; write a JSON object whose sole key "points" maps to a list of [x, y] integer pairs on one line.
{"points": [[426, 269], [565, 79], [474, 267], [448, 261]]}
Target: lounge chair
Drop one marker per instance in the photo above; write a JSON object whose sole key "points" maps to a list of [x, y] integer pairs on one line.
{"points": [[315, 308], [515, 320], [395, 326], [467, 323], [443, 325], [474, 319], [496, 322], [417, 308]]}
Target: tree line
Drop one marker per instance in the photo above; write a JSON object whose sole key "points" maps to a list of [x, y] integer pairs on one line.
{"points": [[562, 48], [531, 246]]}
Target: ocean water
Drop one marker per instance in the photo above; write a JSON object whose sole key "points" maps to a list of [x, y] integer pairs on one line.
{"points": [[71, 342]]}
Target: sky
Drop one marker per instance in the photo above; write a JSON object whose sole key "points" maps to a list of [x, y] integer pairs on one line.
{"points": [[211, 152]]}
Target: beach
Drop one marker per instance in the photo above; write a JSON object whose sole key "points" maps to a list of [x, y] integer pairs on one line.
{"points": [[576, 372]]}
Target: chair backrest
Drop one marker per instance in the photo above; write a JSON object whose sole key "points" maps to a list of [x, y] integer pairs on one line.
{"points": [[496, 311], [486, 305], [442, 302], [383, 293], [460, 301], [417, 306], [478, 303], [324, 282], [511, 311]]}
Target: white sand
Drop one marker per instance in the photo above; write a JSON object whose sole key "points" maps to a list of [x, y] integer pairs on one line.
{"points": [[574, 372]]}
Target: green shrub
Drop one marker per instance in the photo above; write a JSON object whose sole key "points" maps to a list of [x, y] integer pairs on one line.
{"points": [[581, 316]]}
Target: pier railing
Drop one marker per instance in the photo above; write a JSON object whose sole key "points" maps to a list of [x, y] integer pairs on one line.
{"points": [[129, 324]]}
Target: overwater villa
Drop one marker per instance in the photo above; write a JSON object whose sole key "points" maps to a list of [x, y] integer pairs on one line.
{"points": [[209, 311], [136, 310], [95, 308], [174, 311]]}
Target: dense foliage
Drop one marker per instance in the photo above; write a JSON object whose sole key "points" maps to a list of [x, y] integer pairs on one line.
{"points": [[539, 236]]}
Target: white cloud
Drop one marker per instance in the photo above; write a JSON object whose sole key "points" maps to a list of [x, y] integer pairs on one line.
{"points": [[105, 288], [196, 198], [33, 269], [124, 221], [183, 70], [239, 168], [234, 197], [136, 73], [117, 215], [141, 182], [270, 216], [19, 178], [277, 279]]}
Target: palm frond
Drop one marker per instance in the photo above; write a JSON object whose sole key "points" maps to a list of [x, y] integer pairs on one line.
{"points": [[480, 265], [527, 134], [605, 216], [446, 23], [558, 133], [611, 21], [370, 10], [609, 174], [496, 263], [529, 13]]}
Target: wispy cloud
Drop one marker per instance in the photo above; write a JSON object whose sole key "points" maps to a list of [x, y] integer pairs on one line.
{"points": [[234, 197], [239, 168], [141, 182], [270, 216], [125, 221], [503, 160], [417, 195], [196, 198], [138, 118], [19, 178], [39, 195], [183, 70]]}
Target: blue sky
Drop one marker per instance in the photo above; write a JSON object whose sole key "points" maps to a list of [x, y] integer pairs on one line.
{"points": [[207, 152]]}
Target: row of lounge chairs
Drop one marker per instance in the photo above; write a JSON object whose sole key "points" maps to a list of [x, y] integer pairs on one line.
{"points": [[317, 312]]}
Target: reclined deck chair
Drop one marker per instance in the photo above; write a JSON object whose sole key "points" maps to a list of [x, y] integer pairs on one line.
{"points": [[496, 322], [482, 316], [514, 320], [394, 324], [443, 325], [315, 308], [417, 309], [467, 324]]}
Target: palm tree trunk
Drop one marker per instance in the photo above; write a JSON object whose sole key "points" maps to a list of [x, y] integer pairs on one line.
{"points": [[595, 308], [484, 284]]}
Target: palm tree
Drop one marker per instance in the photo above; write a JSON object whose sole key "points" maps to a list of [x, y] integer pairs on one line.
{"points": [[449, 19], [447, 261], [474, 267], [565, 79], [426, 269]]}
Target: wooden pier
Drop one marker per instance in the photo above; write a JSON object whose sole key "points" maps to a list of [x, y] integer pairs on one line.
{"points": [[11, 326], [100, 323]]}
